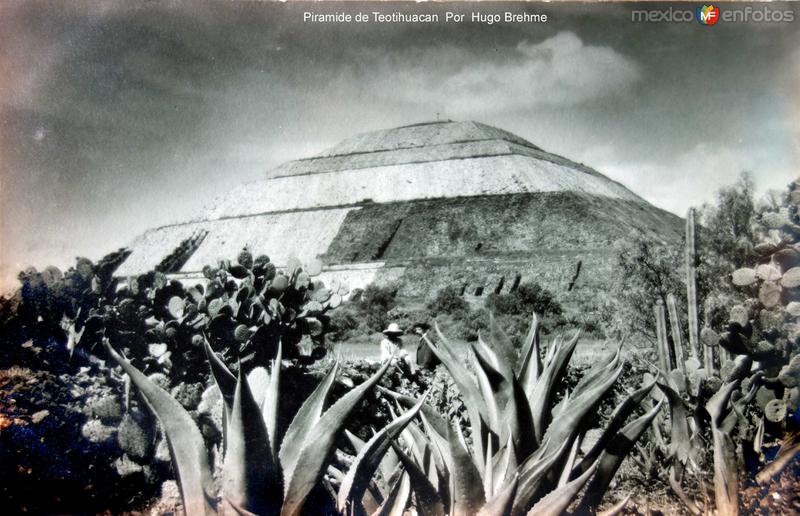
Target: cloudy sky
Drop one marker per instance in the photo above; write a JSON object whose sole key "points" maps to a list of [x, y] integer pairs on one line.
{"points": [[116, 117]]}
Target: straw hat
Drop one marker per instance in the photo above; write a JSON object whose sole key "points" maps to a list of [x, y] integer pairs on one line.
{"points": [[393, 329]]}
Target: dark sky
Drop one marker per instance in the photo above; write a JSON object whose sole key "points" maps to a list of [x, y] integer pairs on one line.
{"points": [[119, 116]]}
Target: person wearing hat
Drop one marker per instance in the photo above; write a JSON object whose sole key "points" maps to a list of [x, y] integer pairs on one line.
{"points": [[392, 348]]}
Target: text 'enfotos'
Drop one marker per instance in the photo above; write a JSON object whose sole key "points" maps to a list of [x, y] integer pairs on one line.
{"points": [[447, 17]]}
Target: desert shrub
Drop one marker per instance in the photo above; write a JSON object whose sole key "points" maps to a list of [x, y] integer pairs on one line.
{"points": [[447, 301], [474, 322], [514, 309], [647, 272], [374, 304], [528, 298], [345, 322]]}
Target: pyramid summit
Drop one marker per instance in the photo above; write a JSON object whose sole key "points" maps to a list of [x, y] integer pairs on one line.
{"points": [[423, 206]]}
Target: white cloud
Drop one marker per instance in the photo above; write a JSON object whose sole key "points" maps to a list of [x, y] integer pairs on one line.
{"points": [[691, 178], [560, 71]]}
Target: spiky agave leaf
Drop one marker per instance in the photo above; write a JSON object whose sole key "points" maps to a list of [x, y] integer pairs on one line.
{"points": [[611, 458], [249, 473], [271, 405], [434, 418], [557, 501], [505, 397], [368, 459], [302, 424], [502, 347], [541, 394], [680, 442], [616, 508], [618, 418], [504, 464], [470, 394], [467, 486], [501, 503], [570, 419], [318, 444], [428, 501], [532, 474], [597, 371], [225, 380], [396, 502], [531, 360], [725, 475], [186, 446]]}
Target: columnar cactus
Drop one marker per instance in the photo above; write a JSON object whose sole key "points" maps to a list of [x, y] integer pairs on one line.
{"points": [[661, 333], [677, 339], [691, 284]]}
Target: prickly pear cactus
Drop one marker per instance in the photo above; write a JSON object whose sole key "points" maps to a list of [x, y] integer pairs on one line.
{"points": [[766, 327]]}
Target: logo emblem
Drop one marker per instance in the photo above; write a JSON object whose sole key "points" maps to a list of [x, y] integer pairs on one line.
{"points": [[708, 14]]}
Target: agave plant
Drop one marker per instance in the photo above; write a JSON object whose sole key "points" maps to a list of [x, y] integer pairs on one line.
{"points": [[259, 475], [522, 452]]}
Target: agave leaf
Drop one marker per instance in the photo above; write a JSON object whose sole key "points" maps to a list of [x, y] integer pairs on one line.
{"points": [[616, 508], [355, 441], [470, 394], [396, 502], [612, 457], [505, 466], [249, 474], [258, 380], [467, 493], [366, 462], [186, 446], [531, 364], [427, 497], [502, 346], [675, 484], [559, 499], [520, 419], [680, 442], [442, 460], [569, 421], [725, 474], [488, 380], [272, 401], [488, 472], [434, 418], [318, 444], [597, 371], [551, 349], [500, 504], [300, 427], [573, 454], [618, 418], [225, 380], [539, 398], [415, 440], [505, 396], [532, 473]]}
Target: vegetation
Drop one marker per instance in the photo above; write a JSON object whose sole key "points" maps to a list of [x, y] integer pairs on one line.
{"points": [[521, 456], [244, 309], [502, 427]]}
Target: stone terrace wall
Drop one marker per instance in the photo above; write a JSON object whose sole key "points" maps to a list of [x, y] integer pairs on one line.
{"points": [[508, 227], [495, 175]]}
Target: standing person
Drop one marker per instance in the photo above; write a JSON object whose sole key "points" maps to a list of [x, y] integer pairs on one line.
{"points": [[426, 359], [392, 348]]}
